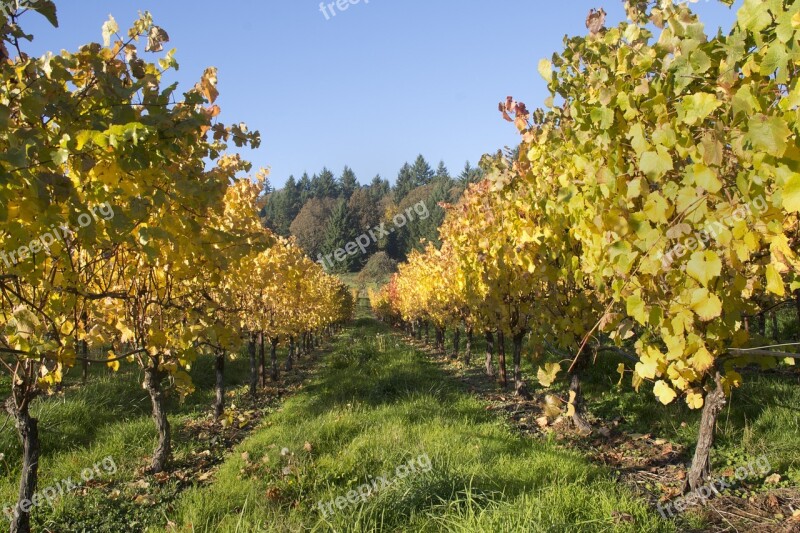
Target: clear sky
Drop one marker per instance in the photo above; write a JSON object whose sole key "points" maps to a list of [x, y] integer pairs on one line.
{"points": [[371, 87]]}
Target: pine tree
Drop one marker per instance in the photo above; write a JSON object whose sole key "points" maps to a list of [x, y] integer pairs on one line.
{"points": [[304, 187], [379, 188], [348, 182], [324, 185], [442, 171], [338, 233], [470, 174], [275, 214], [293, 198], [422, 172], [404, 184]]}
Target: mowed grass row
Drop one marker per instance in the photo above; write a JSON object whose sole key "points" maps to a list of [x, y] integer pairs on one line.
{"points": [[377, 405], [107, 417]]}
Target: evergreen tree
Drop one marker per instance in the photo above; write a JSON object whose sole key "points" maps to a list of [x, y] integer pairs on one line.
{"points": [[348, 182], [304, 187], [292, 198], [442, 171], [422, 171], [338, 233], [379, 188], [275, 214], [267, 189], [324, 185], [405, 183], [421, 229], [470, 174]]}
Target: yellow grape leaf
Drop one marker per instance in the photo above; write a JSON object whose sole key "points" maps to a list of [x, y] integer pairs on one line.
{"points": [[635, 308], [730, 381], [621, 372], [702, 360], [113, 365], [706, 178], [67, 356], [547, 375], [704, 266], [127, 334], [664, 393], [647, 368], [775, 283], [66, 327], [656, 208], [571, 404], [546, 69], [707, 306], [676, 344], [694, 398], [636, 381], [791, 194]]}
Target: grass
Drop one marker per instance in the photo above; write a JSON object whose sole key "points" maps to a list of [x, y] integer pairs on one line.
{"points": [[373, 410], [108, 417], [761, 417], [375, 404]]}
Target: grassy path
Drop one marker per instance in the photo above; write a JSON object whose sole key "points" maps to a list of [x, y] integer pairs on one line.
{"points": [[383, 440]]}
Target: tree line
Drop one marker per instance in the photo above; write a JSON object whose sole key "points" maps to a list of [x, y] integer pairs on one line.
{"points": [[325, 212]]}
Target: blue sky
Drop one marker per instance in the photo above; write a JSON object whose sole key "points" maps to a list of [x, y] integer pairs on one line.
{"points": [[371, 87]]}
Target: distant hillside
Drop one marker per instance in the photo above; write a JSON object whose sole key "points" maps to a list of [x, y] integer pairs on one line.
{"points": [[326, 213]]}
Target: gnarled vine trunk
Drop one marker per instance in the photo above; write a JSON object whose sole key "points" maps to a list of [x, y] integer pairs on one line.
{"points": [[273, 358], [290, 357], [262, 355], [28, 431], [161, 455], [701, 463], [579, 418], [456, 342], [219, 369], [520, 389], [797, 304], [468, 347], [501, 358], [251, 350], [83, 350], [489, 354]]}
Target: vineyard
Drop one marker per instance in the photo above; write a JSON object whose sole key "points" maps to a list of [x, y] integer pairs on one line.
{"points": [[636, 256]]}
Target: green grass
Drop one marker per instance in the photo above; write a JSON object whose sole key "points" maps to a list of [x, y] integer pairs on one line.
{"points": [[375, 405], [108, 417], [371, 411], [761, 417]]}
